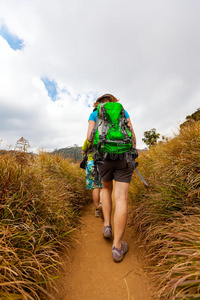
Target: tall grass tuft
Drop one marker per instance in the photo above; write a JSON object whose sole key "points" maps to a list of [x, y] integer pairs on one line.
{"points": [[167, 214], [41, 198]]}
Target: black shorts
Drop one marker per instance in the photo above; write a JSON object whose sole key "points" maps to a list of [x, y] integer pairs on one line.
{"points": [[119, 170]]}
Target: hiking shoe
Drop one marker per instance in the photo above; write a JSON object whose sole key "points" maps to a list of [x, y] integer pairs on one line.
{"points": [[107, 231], [97, 213], [100, 210], [118, 254]]}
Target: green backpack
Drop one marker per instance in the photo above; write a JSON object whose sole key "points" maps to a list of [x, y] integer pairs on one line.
{"points": [[112, 133]]}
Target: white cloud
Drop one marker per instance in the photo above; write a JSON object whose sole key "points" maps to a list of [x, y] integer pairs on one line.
{"points": [[144, 52]]}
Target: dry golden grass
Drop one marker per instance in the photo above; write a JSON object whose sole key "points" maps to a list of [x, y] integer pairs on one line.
{"points": [[41, 198], [167, 215]]}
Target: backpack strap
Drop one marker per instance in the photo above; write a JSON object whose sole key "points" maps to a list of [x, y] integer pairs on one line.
{"points": [[91, 149], [124, 124], [100, 118], [105, 127]]}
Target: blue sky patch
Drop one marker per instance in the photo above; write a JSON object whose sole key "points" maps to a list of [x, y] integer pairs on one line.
{"points": [[51, 87], [64, 91], [78, 97], [14, 42]]}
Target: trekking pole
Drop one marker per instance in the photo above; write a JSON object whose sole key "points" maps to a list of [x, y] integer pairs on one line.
{"points": [[146, 184], [135, 155]]}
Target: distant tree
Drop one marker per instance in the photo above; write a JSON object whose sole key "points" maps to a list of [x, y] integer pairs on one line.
{"points": [[164, 139], [191, 118], [151, 137], [195, 116]]}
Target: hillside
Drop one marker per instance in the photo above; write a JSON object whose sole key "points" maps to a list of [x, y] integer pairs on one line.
{"points": [[73, 152]]}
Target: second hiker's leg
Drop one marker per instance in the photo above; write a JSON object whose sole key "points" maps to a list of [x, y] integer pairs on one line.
{"points": [[96, 196], [106, 194], [121, 212]]}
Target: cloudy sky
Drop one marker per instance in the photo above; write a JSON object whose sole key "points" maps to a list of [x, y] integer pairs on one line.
{"points": [[57, 57]]}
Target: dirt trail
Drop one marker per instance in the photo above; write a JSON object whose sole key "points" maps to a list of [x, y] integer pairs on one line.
{"points": [[91, 273]]}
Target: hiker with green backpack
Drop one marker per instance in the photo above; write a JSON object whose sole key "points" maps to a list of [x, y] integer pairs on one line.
{"points": [[112, 135]]}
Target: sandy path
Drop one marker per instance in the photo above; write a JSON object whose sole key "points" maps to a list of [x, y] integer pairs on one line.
{"points": [[91, 272]]}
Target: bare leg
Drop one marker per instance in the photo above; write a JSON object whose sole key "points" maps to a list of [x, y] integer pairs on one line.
{"points": [[96, 196], [107, 201], [121, 212], [100, 201]]}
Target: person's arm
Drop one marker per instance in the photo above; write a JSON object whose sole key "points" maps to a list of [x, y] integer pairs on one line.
{"points": [[83, 152], [134, 137], [91, 125]]}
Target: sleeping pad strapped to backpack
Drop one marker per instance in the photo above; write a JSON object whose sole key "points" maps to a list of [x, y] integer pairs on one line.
{"points": [[111, 133]]}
